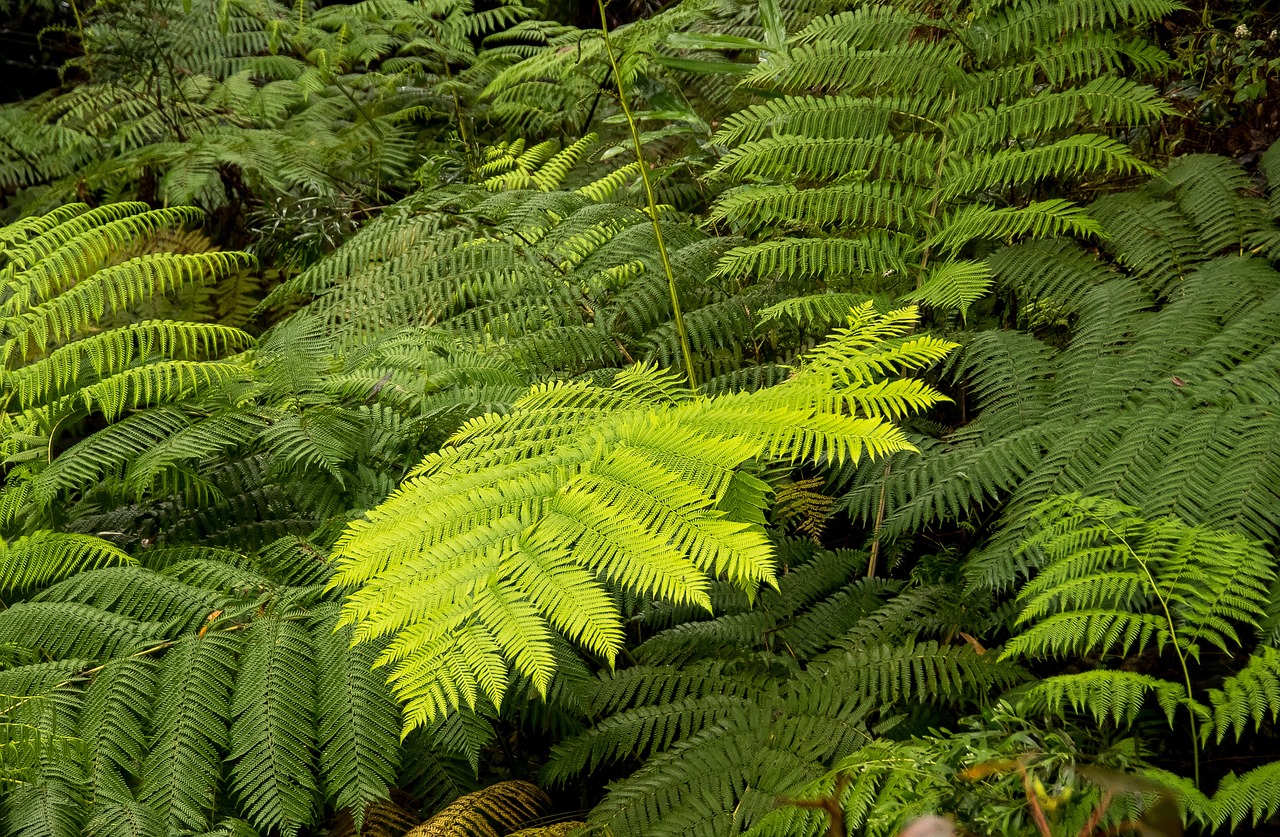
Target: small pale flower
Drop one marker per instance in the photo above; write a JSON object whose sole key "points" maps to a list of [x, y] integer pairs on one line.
{"points": [[1242, 31]]}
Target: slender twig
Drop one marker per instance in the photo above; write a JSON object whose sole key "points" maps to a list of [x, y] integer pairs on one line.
{"points": [[653, 203]]}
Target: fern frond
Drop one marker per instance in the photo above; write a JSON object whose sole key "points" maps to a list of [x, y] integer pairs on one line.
{"points": [[1039, 219], [191, 727], [114, 727], [850, 207], [873, 253], [920, 672], [581, 484], [489, 812], [953, 285], [359, 724], [138, 594], [1252, 797], [65, 629], [1108, 696], [1081, 155], [1249, 697], [112, 352], [1106, 99], [274, 733], [40, 558]]}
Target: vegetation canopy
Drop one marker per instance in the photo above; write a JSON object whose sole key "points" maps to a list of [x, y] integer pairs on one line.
{"points": [[437, 418]]}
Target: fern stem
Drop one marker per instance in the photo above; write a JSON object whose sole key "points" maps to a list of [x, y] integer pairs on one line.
{"points": [[1173, 639], [457, 108], [875, 544], [653, 203], [75, 10]]}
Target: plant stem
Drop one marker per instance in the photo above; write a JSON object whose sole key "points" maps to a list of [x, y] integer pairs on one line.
{"points": [[875, 544], [1173, 640], [653, 203]]}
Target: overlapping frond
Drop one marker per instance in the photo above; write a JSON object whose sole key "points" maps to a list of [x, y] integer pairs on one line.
{"points": [[66, 345], [206, 690], [910, 131], [1161, 405], [40, 558]]}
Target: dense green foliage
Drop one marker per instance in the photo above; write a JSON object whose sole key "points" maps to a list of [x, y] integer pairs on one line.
{"points": [[786, 418]]}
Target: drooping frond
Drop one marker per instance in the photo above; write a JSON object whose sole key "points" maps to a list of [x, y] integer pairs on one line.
{"points": [[489, 812], [359, 728], [1108, 581], [191, 726], [1249, 697], [274, 728], [1114, 697], [200, 690]]}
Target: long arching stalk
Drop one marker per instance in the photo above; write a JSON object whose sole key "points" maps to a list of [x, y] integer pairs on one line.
{"points": [[653, 203]]}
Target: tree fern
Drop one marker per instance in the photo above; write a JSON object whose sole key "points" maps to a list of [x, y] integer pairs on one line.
{"points": [[359, 725], [726, 715], [933, 130], [60, 285], [1115, 697], [114, 726], [1249, 697], [1114, 410], [241, 712], [1250, 797], [554, 515]]}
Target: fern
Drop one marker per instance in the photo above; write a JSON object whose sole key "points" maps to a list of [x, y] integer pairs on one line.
{"points": [[1115, 697], [1248, 697], [1160, 405], [760, 701], [60, 285], [181, 771], [553, 514], [490, 811], [934, 136], [242, 711], [1112, 583], [359, 725], [40, 558], [298, 105], [1251, 797], [273, 707]]}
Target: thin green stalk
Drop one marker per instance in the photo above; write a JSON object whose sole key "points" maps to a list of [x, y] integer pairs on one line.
{"points": [[1173, 639], [653, 203]]}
